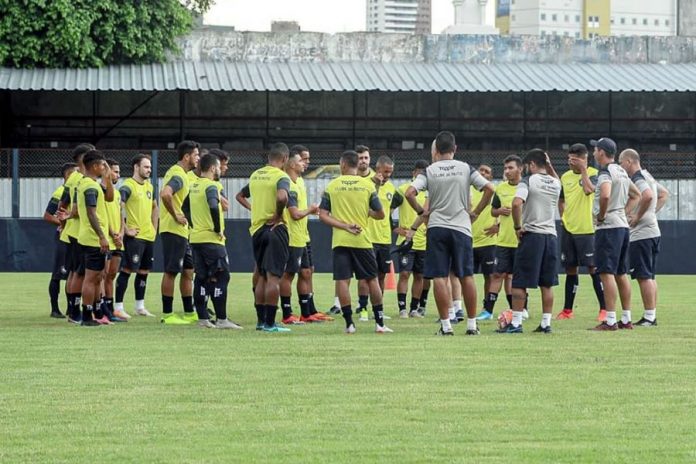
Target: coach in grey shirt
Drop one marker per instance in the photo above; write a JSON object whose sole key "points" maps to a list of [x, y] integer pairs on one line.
{"points": [[644, 233], [449, 240], [536, 258]]}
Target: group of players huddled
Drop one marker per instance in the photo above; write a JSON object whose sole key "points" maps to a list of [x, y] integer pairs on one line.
{"points": [[452, 222]]}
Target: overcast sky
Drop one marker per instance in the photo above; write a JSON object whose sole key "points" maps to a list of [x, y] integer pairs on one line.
{"points": [[313, 15]]}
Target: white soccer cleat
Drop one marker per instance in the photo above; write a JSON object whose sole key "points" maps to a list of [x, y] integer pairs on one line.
{"points": [[226, 324], [122, 314], [403, 314], [144, 312], [205, 324], [350, 330], [382, 329]]}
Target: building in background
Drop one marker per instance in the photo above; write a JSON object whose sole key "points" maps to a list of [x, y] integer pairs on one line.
{"points": [[470, 18], [586, 19], [285, 26], [686, 17], [403, 16]]}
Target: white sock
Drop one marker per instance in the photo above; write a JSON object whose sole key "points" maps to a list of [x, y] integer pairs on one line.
{"points": [[649, 314], [446, 326], [626, 316], [545, 320], [516, 318], [336, 302], [118, 306], [139, 304], [457, 305], [452, 314], [471, 324], [611, 317]]}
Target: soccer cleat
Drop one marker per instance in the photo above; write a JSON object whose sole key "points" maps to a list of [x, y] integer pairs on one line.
{"points": [[174, 319], [122, 314], [472, 332], [602, 315], [144, 312], [442, 333], [311, 319], [382, 329], [403, 314], [604, 327], [626, 326], [275, 329], [525, 314], [459, 315], [226, 324], [643, 322], [104, 320], [292, 320], [421, 311], [75, 320], [364, 316], [90, 323], [114, 318], [540, 329], [57, 315], [259, 326], [322, 317], [334, 310], [350, 330], [415, 314], [565, 314], [510, 329], [190, 317], [205, 324], [484, 316]]}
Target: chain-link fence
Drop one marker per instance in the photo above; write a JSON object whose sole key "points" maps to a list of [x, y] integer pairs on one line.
{"points": [[26, 187]]}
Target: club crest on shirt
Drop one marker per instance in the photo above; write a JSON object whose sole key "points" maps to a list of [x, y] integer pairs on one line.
{"points": [[149, 195]]}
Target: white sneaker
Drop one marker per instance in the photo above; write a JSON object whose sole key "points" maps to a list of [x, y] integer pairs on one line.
{"points": [[122, 314], [350, 329], [403, 314], [226, 324], [144, 312], [382, 329], [415, 314], [525, 315], [205, 324]]}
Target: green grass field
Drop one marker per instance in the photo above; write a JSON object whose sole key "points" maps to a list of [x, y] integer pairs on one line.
{"points": [[143, 392]]}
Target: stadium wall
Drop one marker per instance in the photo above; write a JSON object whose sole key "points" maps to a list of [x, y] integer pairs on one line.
{"points": [[27, 246]]}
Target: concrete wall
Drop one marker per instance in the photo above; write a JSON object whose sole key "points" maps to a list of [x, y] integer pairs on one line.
{"points": [[310, 47], [686, 11]]}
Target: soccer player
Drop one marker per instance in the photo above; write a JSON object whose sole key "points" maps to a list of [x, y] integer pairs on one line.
{"points": [[506, 242], [93, 232], [613, 190], [140, 209], [269, 187], [645, 233], [204, 213], [449, 241], [174, 232], [295, 216], [224, 158], [577, 240], [536, 259], [115, 237], [485, 231], [347, 204], [53, 215], [69, 235], [411, 254]]}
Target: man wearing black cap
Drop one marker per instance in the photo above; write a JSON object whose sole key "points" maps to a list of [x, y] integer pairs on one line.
{"points": [[611, 239]]}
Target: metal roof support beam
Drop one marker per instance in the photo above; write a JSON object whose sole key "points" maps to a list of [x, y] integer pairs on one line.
{"points": [[122, 119]]}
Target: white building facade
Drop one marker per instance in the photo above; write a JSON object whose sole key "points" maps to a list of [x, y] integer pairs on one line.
{"points": [[401, 16]]}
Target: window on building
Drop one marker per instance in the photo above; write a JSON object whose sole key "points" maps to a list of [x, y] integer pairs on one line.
{"points": [[577, 35], [512, 18], [612, 21], [577, 18], [543, 33], [593, 22], [554, 17], [543, 16], [645, 21], [634, 21], [565, 34], [623, 20], [567, 18], [657, 22], [666, 22]]}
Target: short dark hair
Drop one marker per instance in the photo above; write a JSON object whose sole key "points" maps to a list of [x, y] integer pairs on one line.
{"points": [[66, 167], [92, 157], [138, 158], [421, 164], [298, 149], [186, 147], [384, 159], [513, 159], [278, 151], [112, 162], [222, 155], [207, 161], [445, 142], [578, 149], [80, 150], [362, 148], [537, 155], [350, 158]]}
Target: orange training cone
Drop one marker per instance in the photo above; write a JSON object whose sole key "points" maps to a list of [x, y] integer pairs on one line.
{"points": [[390, 281]]}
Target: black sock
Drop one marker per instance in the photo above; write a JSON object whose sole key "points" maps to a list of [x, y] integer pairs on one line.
{"points": [[304, 305], [508, 297], [77, 301], [97, 309], [571, 287], [109, 302], [312, 308], [347, 315], [271, 311], [260, 314], [86, 313], [106, 308], [286, 305], [362, 302], [401, 301], [598, 290], [489, 302], [53, 293], [378, 311], [167, 304], [414, 303], [121, 285], [140, 286], [200, 299], [218, 295], [424, 297], [188, 303]]}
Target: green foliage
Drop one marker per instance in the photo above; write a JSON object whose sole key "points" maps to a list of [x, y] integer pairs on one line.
{"points": [[92, 33]]}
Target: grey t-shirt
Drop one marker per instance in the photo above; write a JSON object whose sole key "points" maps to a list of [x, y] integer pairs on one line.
{"points": [[647, 226], [448, 183], [540, 194], [620, 184]]}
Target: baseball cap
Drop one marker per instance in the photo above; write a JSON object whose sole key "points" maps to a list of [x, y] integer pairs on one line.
{"points": [[606, 144]]}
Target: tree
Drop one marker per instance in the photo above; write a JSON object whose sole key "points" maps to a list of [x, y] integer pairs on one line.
{"points": [[92, 33]]}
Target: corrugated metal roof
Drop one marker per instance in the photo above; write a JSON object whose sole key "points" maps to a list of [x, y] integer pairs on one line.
{"points": [[354, 76]]}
